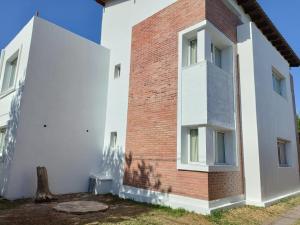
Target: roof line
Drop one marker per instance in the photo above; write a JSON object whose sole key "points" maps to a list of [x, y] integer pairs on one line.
{"points": [[264, 23]]}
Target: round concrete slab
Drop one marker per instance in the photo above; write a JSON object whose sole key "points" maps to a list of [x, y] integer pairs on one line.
{"points": [[80, 207]]}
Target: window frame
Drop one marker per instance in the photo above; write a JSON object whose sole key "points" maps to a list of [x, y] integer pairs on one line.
{"points": [[117, 71], [213, 50], [284, 143], [278, 77], [189, 146], [115, 141], [2, 138], [190, 63], [12, 58], [216, 147]]}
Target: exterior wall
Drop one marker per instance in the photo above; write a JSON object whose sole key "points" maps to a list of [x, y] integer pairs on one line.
{"points": [[266, 117], [152, 110], [66, 86], [275, 119], [9, 102]]}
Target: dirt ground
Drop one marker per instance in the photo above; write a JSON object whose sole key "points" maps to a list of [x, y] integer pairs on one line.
{"points": [[124, 212]]}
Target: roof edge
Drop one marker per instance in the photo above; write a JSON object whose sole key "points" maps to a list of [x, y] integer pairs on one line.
{"points": [[266, 26]]}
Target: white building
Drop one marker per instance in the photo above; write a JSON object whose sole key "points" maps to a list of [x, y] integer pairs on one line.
{"points": [[191, 106]]}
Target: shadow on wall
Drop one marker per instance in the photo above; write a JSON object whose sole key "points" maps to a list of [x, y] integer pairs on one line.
{"points": [[143, 176], [10, 140]]}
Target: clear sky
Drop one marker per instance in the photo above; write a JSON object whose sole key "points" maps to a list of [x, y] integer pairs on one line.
{"points": [[84, 18]]}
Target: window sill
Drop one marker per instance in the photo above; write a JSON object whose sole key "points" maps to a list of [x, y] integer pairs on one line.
{"points": [[7, 92], [207, 168]]}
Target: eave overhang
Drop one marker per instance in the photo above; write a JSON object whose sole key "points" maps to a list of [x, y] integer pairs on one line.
{"points": [[263, 22]]}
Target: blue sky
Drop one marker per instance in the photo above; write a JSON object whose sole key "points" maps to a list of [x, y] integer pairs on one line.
{"points": [[84, 18]]}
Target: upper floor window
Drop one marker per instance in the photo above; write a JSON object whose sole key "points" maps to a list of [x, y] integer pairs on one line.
{"points": [[117, 73], [192, 51], [216, 55], [282, 153], [2, 140], [8, 80], [278, 83]]}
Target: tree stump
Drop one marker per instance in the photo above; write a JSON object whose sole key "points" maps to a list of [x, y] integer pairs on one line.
{"points": [[43, 193]]}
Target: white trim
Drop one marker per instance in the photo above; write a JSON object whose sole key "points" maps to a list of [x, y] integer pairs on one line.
{"points": [[271, 201], [178, 201], [207, 168]]}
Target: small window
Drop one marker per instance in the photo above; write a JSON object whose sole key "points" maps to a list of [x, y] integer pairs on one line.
{"points": [[220, 148], [117, 71], [282, 154], [216, 56], [277, 83], [9, 75], [113, 140], [194, 150], [192, 52], [2, 140]]}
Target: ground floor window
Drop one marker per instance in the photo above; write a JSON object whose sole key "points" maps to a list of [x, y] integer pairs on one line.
{"points": [[2, 140], [282, 153], [220, 148], [194, 148]]}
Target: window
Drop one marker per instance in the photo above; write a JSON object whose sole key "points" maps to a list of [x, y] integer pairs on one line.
{"points": [[113, 140], [192, 52], [117, 71], [216, 56], [282, 156], [9, 75], [194, 151], [220, 148], [2, 140], [277, 84]]}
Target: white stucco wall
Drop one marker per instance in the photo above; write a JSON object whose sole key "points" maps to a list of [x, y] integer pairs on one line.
{"points": [[119, 17], [266, 116], [65, 89], [275, 119]]}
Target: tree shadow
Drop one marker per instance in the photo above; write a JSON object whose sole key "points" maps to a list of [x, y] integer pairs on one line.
{"points": [[10, 139]]}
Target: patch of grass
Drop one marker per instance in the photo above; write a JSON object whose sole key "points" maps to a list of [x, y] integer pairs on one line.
{"points": [[169, 211]]}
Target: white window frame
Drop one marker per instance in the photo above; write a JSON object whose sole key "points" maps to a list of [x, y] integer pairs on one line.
{"points": [[14, 56], [216, 147], [111, 145], [117, 71], [2, 138], [213, 49], [190, 51], [276, 75], [285, 144], [189, 146]]}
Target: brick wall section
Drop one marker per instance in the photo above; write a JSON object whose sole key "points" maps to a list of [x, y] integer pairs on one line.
{"points": [[151, 149]]}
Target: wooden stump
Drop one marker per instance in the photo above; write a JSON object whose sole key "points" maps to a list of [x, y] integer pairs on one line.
{"points": [[43, 193]]}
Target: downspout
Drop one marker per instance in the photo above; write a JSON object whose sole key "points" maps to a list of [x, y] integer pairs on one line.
{"points": [[295, 117], [239, 123]]}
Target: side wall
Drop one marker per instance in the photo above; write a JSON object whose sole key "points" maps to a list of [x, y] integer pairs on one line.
{"points": [[9, 103], [275, 119], [62, 112]]}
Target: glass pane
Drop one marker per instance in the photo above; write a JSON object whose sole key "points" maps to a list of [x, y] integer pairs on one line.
{"points": [[218, 57], [277, 84], [113, 139], [282, 154], [194, 153], [9, 75], [220, 147], [13, 72], [193, 52], [2, 139]]}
